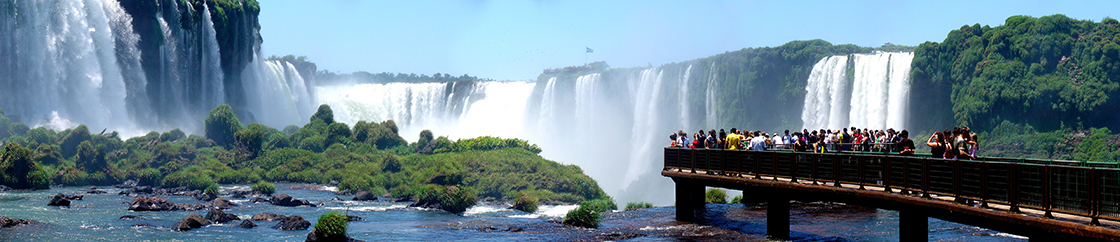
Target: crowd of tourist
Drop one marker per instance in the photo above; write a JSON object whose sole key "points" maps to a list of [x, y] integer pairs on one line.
{"points": [[956, 143]]}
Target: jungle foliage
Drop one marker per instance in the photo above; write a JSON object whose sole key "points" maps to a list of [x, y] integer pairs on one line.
{"points": [[369, 156]]}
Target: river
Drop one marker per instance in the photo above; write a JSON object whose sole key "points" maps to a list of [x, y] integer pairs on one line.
{"points": [[95, 218]]}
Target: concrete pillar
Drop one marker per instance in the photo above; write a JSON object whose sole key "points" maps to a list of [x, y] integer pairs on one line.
{"points": [[690, 200], [913, 225], [777, 216]]}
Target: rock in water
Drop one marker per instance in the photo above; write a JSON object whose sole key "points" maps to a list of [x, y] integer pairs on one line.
{"points": [[217, 216], [246, 224], [93, 190], [294, 222], [315, 237], [365, 196], [9, 222], [288, 201], [150, 204], [353, 218], [192, 221], [222, 203], [267, 217], [59, 200]]}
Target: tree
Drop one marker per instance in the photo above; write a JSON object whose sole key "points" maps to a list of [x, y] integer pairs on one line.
{"points": [[19, 171], [250, 141], [73, 139], [222, 125], [324, 113], [338, 133]]}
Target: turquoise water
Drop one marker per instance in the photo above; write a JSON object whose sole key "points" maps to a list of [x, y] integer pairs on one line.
{"points": [[95, 218]]}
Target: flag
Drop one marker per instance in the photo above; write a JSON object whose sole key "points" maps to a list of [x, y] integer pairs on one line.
{"points": [[589, 50]]}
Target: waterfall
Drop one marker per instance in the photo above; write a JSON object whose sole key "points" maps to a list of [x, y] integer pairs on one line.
{"points": [[74, 61], [825, 88], [877, 96], [646, 120], [586, 102], [418, 106], [683, 98], [710, 105]]}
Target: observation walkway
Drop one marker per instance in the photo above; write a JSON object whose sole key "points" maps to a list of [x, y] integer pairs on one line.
{"points": [[1045, 200]]}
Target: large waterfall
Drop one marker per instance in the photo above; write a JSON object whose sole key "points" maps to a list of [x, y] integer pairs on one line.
{"points": [[70, 62], [875, 96]]}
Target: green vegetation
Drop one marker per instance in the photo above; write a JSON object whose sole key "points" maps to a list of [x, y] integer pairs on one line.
{"points": [[331, 226], [638, 205], [584, 216], [211, 191], [369, 156], [737, 199], [600, 205], [264, 187], [715, 195], [525, 202]]}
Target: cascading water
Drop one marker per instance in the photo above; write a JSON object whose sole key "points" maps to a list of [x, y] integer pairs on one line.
{"points": [[682, 98], [646, 120], [712, 116], [70, 60], [876, 97], [826, 86]]}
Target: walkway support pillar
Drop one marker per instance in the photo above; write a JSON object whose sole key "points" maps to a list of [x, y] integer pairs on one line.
{"points": [[913, 225], [690, 200], [777, 216]]}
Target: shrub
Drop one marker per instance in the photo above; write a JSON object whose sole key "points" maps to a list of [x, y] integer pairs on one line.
{"points": [[264, 187], [313, 144], [331, 227], [737, 199], [212, 190], [638, 205], [337, 133], [173, 135], [715, 195], [221, 125], [525, 202], [149, 177], [600, 205], [323, 114], [584, 216], [453, 199], [70, 142]]}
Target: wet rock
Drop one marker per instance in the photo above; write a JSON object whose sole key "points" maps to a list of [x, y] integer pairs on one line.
{"points": [[127, 184], [353, 218], [346, 192], [4, 188], [315, 237], [218, 216], [6, 222], [246, 224], [619, 236], [294, 222], [222, 203], [188, 207], [288, 201], [336, 199], [258, 200], [140, 190], [267, 217], [192, 221], [150, 204], [143, 225], [130, 217], [93, 190], [365, 196], [59, 200]]}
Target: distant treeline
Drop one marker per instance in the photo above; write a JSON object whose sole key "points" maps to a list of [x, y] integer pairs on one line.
{"points": [[326, 77]]}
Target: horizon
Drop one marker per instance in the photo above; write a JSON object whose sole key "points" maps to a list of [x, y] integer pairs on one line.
{"points": [[517, 40]]}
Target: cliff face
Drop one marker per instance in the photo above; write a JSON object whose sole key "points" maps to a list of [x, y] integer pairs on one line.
{"points": [[192, 55]]}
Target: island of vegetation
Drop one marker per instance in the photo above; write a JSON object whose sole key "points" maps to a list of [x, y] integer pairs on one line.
{"points": [[369, 156]]}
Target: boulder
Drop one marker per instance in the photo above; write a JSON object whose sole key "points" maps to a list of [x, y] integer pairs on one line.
{"points": [[192, 221], [9, 222], [365, 196], [140, 190], [258, 199], [127, 184], [4, 188], [346, 192], [130, 217], [59, 200], [94, 190], [150, 204], [222, 203], [315, 237], [288, 201], [267, 217], [353, 218], [188, 207], [246, 224], [218, 216], [294, 222]]}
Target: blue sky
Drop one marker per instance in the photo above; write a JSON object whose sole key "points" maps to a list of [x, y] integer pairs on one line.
{"points": [[515, 40]]}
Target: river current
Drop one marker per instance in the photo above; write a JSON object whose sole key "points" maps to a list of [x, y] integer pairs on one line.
{"points": [[96, 218]]}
